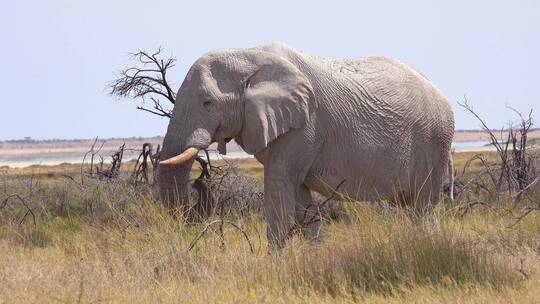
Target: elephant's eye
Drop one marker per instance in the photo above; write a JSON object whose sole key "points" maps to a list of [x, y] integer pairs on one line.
{"points": [[207, 103]]}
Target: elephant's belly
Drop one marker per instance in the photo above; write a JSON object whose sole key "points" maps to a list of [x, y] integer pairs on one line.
{"points": [[348, 187]]}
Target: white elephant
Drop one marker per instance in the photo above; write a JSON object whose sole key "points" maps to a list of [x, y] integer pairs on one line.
{"points": [[374, 124]]}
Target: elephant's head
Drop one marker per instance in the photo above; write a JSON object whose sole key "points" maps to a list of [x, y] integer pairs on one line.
{"points": [[250, 95]]}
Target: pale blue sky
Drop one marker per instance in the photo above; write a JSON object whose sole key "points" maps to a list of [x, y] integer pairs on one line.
{"points": [[58, 56]]}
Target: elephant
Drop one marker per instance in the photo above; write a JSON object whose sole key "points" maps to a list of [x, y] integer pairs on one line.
{"points": [[360, 129]]}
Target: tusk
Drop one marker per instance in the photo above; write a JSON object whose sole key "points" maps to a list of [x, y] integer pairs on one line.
{"points": [[177, 160]]}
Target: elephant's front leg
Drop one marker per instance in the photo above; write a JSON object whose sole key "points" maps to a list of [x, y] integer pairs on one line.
{"points": [[286, 163], [279, 203]]}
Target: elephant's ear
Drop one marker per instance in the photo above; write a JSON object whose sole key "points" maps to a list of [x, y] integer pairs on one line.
{"points": [[278, 97]]}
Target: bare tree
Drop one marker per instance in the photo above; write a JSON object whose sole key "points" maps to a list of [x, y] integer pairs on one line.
{"points": [[147, 81]]}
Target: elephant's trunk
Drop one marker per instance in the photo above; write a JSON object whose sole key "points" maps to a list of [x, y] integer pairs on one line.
{"points": [[173, 187], [177, 156], [173, 179]]}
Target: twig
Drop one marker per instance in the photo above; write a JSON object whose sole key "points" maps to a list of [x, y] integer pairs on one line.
{"points": [[315, 217], [528, 211], [220, 221], [23, 202]]}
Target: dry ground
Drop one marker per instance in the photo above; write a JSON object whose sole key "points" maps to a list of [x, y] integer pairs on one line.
{"points": [[21, 153], [111, 242], [477, 135]]}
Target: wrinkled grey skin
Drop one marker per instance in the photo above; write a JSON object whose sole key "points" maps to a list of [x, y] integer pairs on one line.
{"points": [[374, 123]]}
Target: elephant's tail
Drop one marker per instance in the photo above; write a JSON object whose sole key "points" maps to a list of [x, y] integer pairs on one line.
{"points": [[451, 176]]}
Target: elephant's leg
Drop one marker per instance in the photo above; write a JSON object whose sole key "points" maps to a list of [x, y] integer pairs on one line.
{"points": [[307, 214], [428, 192], [436, 186], [421, 198], [286, 164], [279, 204]]}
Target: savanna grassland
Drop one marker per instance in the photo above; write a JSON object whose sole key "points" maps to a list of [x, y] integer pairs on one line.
{"points": [[100, 240]]}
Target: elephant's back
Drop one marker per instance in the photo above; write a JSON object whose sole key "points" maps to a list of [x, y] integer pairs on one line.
{"points": [[393, 89], [390, 81]]}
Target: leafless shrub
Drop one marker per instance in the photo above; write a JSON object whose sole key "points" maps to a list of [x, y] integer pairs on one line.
{"points": [[93, 152], [224, 192], [515, 167], [141, 169], [114, 170], [522, 162], [219, 190], [235, 194], [514, 173]]}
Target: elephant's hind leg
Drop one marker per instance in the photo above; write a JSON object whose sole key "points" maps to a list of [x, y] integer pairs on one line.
{"points": [[417, 198], [308, 216], [427, 192]]}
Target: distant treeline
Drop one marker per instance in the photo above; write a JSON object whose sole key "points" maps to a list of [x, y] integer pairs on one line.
{"points": [[29, 140], [492, 130]]}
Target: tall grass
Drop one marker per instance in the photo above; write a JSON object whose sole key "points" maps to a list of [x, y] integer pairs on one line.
{"points": [[385, 254], [112, 242]]}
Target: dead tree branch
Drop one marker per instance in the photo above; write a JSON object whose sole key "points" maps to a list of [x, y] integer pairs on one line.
{"points": [[140, 171], [23, 202], [92, 152], [221, 222], [147, 81], [526, 212], [116, 163]]}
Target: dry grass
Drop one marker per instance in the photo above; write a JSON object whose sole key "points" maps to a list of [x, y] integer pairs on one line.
{"points": [[110, 242]]}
